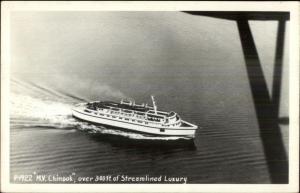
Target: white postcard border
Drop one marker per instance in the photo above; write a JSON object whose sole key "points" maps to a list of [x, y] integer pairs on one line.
{"points": [[292, 7]]}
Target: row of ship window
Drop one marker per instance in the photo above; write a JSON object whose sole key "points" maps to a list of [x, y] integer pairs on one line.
{"points": [[126, 118], [137, 115], [130, 115]]}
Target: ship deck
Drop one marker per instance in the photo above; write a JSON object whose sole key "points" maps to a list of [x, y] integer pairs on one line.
{"points": [[109, 104]]}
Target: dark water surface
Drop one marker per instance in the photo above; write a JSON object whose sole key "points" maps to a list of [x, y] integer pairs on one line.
{"points": [[46, 139]]}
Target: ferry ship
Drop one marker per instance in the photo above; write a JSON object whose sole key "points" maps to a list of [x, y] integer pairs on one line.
{"points": [[139, 118]]}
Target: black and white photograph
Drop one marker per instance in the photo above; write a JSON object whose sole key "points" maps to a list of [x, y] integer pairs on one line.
{"points": [[181, 96]]}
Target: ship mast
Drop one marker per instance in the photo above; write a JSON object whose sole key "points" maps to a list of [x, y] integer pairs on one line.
{"points": [[154, 105]]}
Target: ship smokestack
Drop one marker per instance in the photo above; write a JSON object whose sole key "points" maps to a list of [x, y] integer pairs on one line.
{"points": [[154, 105]]}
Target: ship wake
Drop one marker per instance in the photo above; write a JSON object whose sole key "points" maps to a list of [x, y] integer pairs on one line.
{"points": [[54, 112]]}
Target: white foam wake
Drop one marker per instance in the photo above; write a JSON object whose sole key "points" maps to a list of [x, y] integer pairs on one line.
{"points": [[46, 113]]}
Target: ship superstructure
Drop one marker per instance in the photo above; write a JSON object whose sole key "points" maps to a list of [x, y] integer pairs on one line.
{"points": [[135, 117]]}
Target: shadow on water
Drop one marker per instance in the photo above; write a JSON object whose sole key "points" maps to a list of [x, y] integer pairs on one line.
{"points": [[125, 142], [277, 75], [284, 120], [266, 107]]}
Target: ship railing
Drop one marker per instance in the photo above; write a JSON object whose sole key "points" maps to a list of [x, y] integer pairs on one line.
{"points": [[171, 115], [158, 112], [127, 111], [114, 108], [126, 115], [80, 104], [176, 123], [139, 105], [187, 124], [127, 102], [150, 107]]}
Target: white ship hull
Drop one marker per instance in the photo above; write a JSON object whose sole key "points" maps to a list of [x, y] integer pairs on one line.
{"points": [[188, 130]]}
